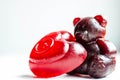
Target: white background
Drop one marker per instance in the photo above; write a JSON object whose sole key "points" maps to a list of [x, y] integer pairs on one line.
{"points": [[24, 22]]}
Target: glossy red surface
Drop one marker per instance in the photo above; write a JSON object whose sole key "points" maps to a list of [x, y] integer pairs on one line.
{"points": [[107, 48], [101, 53], [55, 54], [76, 20], [101, 20], [88, 29]]}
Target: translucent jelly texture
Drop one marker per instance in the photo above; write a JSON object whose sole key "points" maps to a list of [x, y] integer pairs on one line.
{"points": [[88, 29], [87, 52], [55, 54], [101, 53]]}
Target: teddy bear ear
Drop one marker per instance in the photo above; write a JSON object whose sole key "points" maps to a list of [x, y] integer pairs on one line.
{"points": [[101, 20], [76, 20]]}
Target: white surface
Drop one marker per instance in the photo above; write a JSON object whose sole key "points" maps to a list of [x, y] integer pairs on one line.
{"points": [[15, 67]]}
